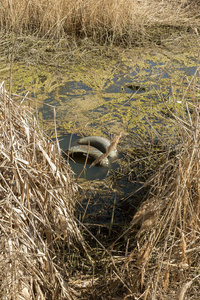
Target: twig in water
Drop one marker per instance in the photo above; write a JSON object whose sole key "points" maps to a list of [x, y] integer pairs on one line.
{"points": [[112, 146], [85, 162], [113, 212]]}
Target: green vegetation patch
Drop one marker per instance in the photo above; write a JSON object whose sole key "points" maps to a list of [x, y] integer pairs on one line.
{"points": [[130, 90]]}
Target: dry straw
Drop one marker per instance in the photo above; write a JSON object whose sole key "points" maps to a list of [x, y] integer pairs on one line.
{"points": [[167, 252], [102, 20], [37, 195], [112, 147]]}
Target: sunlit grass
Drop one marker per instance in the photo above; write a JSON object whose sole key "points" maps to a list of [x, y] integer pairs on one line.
{"points": [[104, 21]]}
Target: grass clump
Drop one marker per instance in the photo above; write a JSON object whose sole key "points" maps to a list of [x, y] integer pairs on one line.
{"points": [[163, 236], [37, 195], [119, 22]]}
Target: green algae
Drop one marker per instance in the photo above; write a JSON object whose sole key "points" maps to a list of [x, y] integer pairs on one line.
{"points": [[90, 106]]}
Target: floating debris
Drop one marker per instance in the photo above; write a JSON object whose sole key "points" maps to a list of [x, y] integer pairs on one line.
{"points": [[112, 146], [91, 151], [100, 143]]}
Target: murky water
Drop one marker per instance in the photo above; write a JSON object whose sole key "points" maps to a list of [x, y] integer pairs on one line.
{"points": [[73, 93], [103, 100], [118, 103], [77, 164]]}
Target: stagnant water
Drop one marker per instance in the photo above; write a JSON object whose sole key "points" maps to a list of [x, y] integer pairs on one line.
{"points": [[128, 96], [133, 96], [103, 101]]}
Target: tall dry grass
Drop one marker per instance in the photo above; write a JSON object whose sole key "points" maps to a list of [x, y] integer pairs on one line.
{"points": [[102, 20], [37, 195], [165, 261]]}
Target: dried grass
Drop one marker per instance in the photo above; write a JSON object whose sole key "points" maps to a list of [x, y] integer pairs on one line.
{"points": [[37, 195], [103, 21], [112, 147], [167, 253]]}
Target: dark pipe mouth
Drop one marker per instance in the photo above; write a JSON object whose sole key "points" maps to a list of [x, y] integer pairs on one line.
{"points": [[78, 152], [78, 161], [81, 156]]}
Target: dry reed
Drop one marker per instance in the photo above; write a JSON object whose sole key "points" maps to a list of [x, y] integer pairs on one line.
{"points": [[37, 195], [112, 147], [166, 258], [103, 21]]}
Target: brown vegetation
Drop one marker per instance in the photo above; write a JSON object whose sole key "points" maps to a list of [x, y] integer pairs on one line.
{"points": [[112, 146], [165, 260], [159, 252], [37, 195], [124, 22]]}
